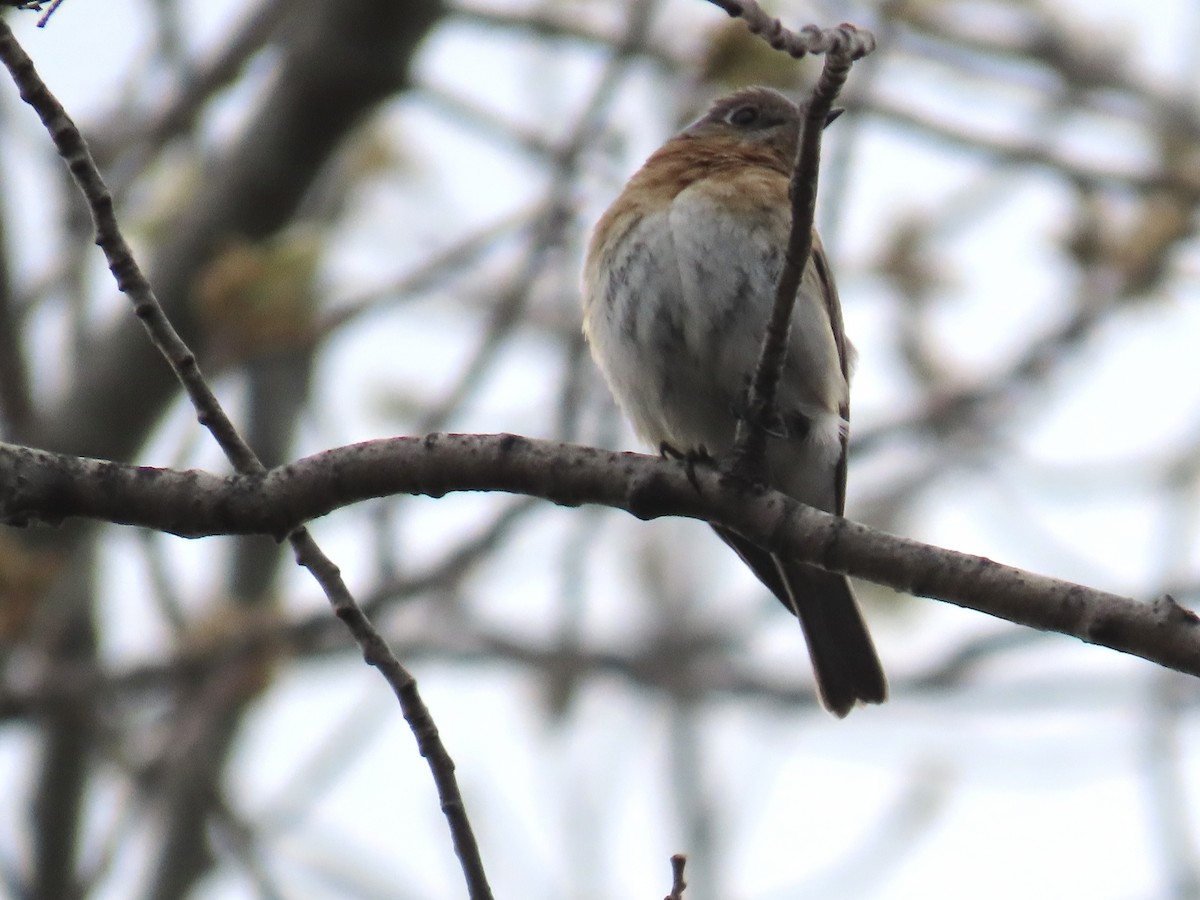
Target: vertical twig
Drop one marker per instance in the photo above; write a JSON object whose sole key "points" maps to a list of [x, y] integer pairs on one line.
{"points": [[751, 444], [678, 885], [842, 46]]}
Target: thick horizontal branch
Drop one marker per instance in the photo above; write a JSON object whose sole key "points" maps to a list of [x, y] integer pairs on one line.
{"points": [[37, 486]]}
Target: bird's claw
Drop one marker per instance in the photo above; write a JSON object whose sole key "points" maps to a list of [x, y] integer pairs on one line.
{"points": [[690, 458]]}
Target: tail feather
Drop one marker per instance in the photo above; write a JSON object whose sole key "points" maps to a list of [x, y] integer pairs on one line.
{"points": [[845, 663]]}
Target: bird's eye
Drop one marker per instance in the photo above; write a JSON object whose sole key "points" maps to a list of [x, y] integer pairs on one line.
{"points": [[743, 116]]}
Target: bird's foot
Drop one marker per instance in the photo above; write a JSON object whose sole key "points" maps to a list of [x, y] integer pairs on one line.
{"points": [[690, 458]]}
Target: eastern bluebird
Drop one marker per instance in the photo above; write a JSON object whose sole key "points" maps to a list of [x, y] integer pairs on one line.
{"points": [[678, 286]]}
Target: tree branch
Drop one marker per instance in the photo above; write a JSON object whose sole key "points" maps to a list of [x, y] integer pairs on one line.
{"points": [[38, 486]]}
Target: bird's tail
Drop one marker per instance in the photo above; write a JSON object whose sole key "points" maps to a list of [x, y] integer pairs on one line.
{"points": [[845, 663]]}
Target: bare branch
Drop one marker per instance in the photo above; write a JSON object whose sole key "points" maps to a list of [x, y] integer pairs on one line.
{"points": [[678, 885], [842, 46], [751, 444], [44, 486], [845, 40]]}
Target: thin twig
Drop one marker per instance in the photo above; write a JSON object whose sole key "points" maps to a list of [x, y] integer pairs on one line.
{"points": [[133, 283], [45, 17], [678, 885], [842, 46], [35, 5], [843, 40]]}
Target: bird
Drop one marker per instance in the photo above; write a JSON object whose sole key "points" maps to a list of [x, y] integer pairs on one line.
{"points": [[678, 284]]}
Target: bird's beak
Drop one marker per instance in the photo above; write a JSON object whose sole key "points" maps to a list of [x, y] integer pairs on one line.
{"points": [[833, 114]]}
